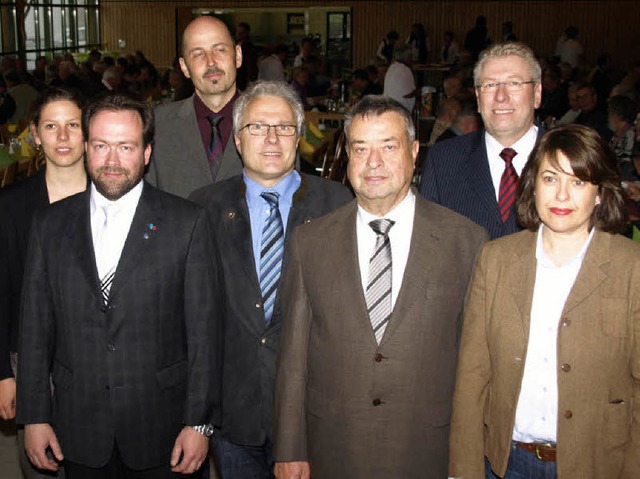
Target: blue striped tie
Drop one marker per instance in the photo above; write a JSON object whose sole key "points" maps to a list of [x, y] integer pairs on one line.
{"points": [[271, 250]]}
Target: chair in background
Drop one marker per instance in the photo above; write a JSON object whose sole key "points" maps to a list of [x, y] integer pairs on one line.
{"points": [[8, 174]]}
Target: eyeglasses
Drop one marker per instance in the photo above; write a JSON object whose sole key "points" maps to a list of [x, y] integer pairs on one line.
{"points": [[510, 86], [262, 129]]}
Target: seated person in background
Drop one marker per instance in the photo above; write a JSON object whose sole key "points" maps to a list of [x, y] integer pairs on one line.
{"points": [[362, 85], [622, 113], [450, 49], [448, 110], [299, 83], [399, 81], [272, 67], [452, 86], [574, 108], [555, 95], [319, 82], [376, 75], [600, 79], [591, 115], [467, 121]]}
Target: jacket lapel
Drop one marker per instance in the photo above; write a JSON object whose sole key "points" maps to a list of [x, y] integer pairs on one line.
{"points": [[237, 226], [148, 216], [592, 271], [186, 125], [81, 240], [478, 175], [521, 276]]}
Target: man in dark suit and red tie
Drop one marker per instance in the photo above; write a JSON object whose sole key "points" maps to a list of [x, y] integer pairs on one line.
{"points": [[475, 174], [120, 309], [252, 218], [372, 298]]}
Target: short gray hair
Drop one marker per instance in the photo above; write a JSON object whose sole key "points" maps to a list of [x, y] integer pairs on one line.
{"points": [[376, 105], [501, 50], [268, 88]]}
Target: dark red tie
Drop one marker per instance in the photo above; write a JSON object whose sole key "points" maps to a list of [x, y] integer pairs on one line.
{"points": [[215, 144], [508, 184]]}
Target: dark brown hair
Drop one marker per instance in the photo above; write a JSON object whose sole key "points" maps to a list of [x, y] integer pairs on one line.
{"points": [[591, 160]]}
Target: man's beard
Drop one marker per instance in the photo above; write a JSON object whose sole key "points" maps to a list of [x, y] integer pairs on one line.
{"points": [[111, 189]]}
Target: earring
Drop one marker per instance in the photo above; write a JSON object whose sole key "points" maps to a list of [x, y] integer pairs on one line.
{"points": [[597, 201]]}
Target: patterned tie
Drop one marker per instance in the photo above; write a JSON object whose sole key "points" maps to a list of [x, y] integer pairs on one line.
{"points": [[271, 250], [215, 144], [108, 256], [508, 184], [378, 294]]}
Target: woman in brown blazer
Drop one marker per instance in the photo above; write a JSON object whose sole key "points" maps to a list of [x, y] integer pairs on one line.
{"points": [[548, 380]]}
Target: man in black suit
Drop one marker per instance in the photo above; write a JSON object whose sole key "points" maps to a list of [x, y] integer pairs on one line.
{"points": [[194, 145], [268, 120], [465, 174], [119, 306]]}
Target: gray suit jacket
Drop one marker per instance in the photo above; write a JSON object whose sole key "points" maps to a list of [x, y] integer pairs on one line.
{"points": [[179, 163], [142, 367], [349, 406]]}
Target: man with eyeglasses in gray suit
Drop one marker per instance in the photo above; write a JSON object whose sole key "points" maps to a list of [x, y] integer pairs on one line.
{"points": [[476, 174], [253, 215]]}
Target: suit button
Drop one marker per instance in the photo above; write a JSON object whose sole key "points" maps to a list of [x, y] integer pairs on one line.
{"points": [[258, 305], [376, 402], [568, 414], [566, 367], [378, 358], [566, 322], [111, 347], [107, 387], [263, 341], [231, 215]]}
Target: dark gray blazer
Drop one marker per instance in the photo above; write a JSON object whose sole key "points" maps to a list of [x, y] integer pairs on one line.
{"points": [[179, 162], [456, 174], [349, 406], [250, 345], [144, 367]]}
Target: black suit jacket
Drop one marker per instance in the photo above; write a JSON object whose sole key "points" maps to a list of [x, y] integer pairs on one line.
{"points": [[456, 174], [18, 204], [138, 370], [250, 345]]}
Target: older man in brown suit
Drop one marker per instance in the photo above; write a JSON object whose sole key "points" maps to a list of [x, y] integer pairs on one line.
{"points": [[372, 300]]}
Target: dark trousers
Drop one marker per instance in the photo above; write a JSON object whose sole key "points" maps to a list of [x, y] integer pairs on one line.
{"points": [[524, 465], [234, 461], [116, 469]]}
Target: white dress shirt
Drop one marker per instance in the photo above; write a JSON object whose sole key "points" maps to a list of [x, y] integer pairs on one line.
{"points": [[125, 210], [537, 410], [523, 147], [399, 236]]}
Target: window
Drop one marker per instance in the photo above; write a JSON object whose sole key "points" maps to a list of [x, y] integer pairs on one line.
{"points": [[52, 27]]}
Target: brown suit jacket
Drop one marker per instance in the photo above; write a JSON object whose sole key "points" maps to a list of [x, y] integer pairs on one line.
{"points": [[598, 351], [349, 406]]}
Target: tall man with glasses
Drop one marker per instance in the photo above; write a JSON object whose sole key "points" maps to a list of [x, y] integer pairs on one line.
{"points": [[476, 174], [252, 216]]}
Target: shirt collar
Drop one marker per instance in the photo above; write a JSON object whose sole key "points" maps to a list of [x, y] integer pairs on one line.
{"points": [[400, 213], [129, 201], [286, 187], [203, 111]]}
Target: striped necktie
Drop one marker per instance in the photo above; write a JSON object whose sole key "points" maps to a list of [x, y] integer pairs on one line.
{"points": [[378, 294], [508, 184], [108, 256], [271, 250]]}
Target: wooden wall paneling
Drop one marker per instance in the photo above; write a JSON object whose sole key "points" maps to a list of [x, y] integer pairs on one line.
{"points": [[605, 25]]}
